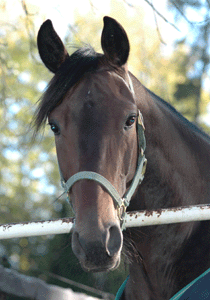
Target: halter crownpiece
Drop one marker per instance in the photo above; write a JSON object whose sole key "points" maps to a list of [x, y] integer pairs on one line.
{"points": [[120, 203]]}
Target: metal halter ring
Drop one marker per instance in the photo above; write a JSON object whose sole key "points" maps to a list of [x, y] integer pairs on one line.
{"points": [[121, 211]]}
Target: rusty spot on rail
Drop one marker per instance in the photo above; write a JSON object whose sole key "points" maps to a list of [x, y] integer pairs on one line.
{"points": [[159, 212], [148, 213], [6, 226], [63, 220], [68, 220]]}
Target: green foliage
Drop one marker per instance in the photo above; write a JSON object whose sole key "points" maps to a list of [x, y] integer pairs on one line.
{"points": [[192, 55], [27, 179]]}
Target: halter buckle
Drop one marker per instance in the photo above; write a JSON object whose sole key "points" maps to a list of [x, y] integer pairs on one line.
{"points": [[121, 210]]}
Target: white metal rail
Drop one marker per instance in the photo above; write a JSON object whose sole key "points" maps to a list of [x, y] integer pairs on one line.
{"points": [[132, 219]]}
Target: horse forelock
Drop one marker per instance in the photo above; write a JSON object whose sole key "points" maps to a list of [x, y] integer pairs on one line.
{"points": [[82, 61]]}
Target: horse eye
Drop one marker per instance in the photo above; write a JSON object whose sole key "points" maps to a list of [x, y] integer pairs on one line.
{"points": [[130, 121], [54, 128]]}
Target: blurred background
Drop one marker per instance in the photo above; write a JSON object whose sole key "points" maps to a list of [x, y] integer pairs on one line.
{"points": [[169, 55]]}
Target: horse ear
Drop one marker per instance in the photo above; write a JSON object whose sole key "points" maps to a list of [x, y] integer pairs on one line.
{"points": [[51, 49], [114, 42]]}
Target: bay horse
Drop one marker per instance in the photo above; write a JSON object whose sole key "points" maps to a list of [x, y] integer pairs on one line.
{"points": [[93, 104]]}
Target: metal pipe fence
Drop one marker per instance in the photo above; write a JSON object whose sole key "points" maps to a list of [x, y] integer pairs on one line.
{"points": [[132, 219]]}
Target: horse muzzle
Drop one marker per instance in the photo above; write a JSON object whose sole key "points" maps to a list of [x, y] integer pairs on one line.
{"points": [[98, 250]]}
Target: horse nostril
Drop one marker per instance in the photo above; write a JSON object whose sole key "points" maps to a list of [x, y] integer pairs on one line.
{"points": [[114, 240]]}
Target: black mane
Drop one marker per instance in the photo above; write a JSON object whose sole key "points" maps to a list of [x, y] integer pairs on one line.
{"points": [[71, 71], [185, 121]]}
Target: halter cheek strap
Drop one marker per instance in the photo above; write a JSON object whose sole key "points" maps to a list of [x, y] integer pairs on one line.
{"points": [[120, 203]]}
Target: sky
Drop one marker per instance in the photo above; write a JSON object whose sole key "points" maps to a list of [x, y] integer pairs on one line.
{"points": [[61, 12]]}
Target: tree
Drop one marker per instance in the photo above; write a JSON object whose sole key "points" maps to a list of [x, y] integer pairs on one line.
{"points": [[28, 171], [195, 54]]}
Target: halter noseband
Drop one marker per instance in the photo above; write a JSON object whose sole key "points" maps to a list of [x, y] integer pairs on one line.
{"points": [[120, 203]]}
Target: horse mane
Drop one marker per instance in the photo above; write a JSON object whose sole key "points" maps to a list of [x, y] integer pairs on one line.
{"points": [[82, 61], [193, 128]]}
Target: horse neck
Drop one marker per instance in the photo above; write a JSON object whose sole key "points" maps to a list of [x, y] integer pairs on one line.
{"points": [[177, 175], [178, 155]]}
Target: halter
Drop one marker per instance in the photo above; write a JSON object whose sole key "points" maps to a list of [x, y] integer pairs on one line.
{"points": [[120, 203]]}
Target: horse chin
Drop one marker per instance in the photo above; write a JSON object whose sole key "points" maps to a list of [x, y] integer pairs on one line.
{"points": [[88, 267]]}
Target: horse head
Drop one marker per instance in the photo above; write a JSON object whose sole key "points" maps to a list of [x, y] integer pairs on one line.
{"points": [[90, 106]]}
